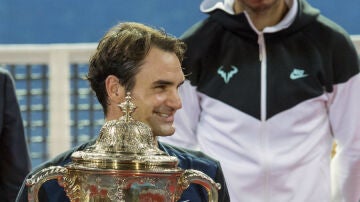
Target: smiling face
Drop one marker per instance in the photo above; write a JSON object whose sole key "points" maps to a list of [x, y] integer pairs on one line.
{"points": [[156, 91]]}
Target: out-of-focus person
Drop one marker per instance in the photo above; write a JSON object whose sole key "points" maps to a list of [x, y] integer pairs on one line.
{"points": [[272, 84], [15, 161]]}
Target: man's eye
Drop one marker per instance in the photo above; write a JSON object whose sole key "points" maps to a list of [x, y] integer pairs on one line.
{"points": [[160, 87]]}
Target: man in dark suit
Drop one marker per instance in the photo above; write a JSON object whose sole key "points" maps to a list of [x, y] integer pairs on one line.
{"points": [[15, 162]]}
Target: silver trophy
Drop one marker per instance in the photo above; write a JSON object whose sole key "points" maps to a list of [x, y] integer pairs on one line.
{"points": [[124, 164]]}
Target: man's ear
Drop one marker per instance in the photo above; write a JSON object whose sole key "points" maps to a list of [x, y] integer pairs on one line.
{"points": [[114, 89]]}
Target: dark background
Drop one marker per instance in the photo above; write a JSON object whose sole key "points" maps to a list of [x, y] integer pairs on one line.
{"points": [[73, 21]]}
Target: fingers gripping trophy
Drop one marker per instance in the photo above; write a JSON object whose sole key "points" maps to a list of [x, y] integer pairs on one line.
{"points": [[124, 164]]}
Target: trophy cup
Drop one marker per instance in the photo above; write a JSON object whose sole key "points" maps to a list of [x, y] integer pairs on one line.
{"points": [[123, 165]]}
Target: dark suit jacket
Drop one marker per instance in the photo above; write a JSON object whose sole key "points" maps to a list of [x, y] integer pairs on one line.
{"points": [[15, 161]]}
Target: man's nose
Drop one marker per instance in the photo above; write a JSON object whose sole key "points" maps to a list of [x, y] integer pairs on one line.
{"points": [[174, 100]]}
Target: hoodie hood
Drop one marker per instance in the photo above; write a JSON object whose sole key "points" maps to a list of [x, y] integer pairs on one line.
{"points": [[208, 6]]}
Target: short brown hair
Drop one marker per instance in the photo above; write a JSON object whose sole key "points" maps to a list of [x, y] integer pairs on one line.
{"points": [[122, 50]]}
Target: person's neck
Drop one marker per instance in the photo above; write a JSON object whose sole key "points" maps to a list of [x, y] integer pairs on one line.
{"points": [[264, 18]]}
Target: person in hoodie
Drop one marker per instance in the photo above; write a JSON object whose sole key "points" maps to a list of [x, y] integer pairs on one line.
{"points": [[133, 57], [271, 84], [15, 159]]}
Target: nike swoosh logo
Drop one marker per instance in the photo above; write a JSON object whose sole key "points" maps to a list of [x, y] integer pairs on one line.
{"points": [[297, 74]]}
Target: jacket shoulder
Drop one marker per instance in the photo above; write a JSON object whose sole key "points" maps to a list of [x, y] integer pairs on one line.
{"points": [[62, 158], [191, 159]]}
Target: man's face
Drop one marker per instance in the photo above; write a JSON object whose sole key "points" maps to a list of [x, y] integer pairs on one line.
{"points": [[156, 91], [256, 6]]}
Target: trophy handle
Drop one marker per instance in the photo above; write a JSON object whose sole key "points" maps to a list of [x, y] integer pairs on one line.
{"points": [[35, 181], [194, 176]]}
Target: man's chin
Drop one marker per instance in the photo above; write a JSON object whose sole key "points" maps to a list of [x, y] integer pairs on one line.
{"points": [[165, 132]]}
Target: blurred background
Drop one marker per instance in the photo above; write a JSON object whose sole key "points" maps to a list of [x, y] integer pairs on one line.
{"points": [[46, 45], [74, 21]]}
